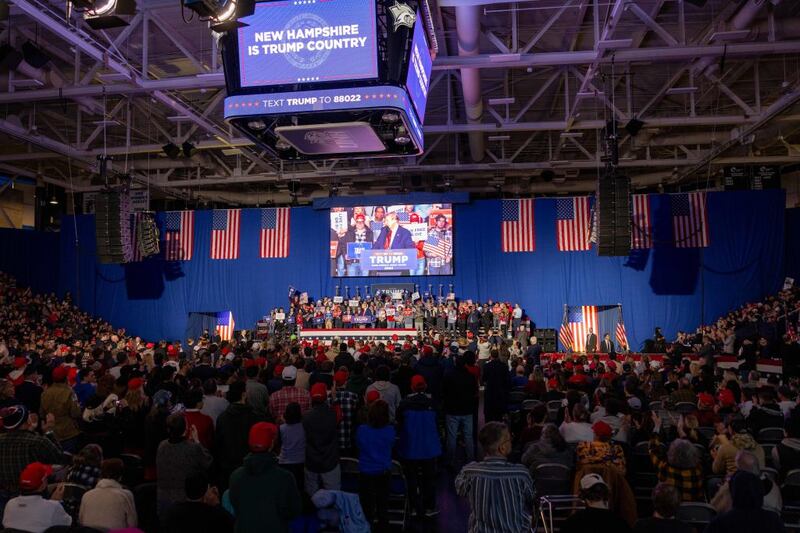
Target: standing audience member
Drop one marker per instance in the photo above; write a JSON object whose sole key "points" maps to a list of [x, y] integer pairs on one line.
{"points": [[293, 444], [288, 393], [375, 441], [257, 393], [497, 384], [347, 403], [109, 506], [30, 511], [198, 421], [263, 495], [178, 458], [322, 469], [233, 427], [419, 446], [460, 390], [596, 517], [389, 392], [213, 405], [500, 493], [60, 401]]}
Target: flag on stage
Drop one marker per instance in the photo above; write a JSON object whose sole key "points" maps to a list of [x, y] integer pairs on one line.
{"points": [[689, 220], [225, 325], [178, 235], [516, 227], [578, 320], [641, 225], [225, 233], [274, 240], [573, 224], [622, 336], [434, 246]]}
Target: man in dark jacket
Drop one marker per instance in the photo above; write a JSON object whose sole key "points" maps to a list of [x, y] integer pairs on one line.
{"points": [[263, 495], [766, 413], [343, 359], [747, 515], [322, 443], [430, 367], [497, 383], [233, 426], [460, 400], [419, 446]]}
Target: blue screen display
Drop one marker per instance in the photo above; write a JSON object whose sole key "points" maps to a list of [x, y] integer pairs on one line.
{"points": [[308, 41], [419, 69]]}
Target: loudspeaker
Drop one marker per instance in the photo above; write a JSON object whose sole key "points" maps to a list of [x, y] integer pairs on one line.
{"points": [[633, 126], [614, 216], [546, 338], [112, 227]]}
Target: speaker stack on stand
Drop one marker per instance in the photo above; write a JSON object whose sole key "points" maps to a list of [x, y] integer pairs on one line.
{"points": [[112, 227]]}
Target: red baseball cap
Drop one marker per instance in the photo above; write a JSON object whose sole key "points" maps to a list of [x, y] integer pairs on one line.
{"points": [[20, 362], [395, 337], [34, 475], [319, 390], [261, 437], [373, 395], [705, 399], [601, 429], [726, 398], [418, 383], [360, 217], [60, 373], [135, 383], [171, 349], [278, 371], [340, 377]]}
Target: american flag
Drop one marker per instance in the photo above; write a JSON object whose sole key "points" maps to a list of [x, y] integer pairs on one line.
{"points": [[578, 321], [437, 247], [689, 220], [642, 228], [516, 228], [403, 216], [178, 235], [225, 325], [274, 240], [225, 233], [573, 224], [622, 336], [137, 256]]}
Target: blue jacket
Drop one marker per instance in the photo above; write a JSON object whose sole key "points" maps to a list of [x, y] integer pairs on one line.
{"points": [[419, 434], [374, 448], [402, 239]]}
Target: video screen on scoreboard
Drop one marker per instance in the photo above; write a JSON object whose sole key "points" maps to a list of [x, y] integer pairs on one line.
{"points": [[308, 42], [392, 240]]}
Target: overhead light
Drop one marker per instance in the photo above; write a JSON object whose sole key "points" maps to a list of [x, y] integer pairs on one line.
{"points": [[224, 15], [390, 117], [172, 150], [104, 14], [401, 136], [257, 125], [53, 200], [188, 149], [282, 145]]}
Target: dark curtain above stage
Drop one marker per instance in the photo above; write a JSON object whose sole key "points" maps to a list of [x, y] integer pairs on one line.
{"points": [[31, 257], [664, 286]]}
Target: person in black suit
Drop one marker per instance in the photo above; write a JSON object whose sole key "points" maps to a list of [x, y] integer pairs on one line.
{"points": [[607, 346], [497, 382], [591, 342], [393, 236]]}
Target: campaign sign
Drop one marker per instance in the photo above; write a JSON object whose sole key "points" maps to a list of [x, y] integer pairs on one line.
{"points": [[419, 69], [308, 41], [338, 299], [388, 260], [280, 316], [360, 319], [419, 231], [354, 249]]}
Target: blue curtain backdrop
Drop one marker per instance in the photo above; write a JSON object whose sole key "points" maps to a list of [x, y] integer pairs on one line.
{"points": [[31, 257], [664, 286]]}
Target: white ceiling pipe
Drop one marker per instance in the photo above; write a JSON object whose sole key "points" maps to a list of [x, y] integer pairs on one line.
{"points": [[468, 26]]}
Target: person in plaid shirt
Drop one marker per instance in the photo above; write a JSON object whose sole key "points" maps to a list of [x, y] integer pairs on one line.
{"points": [[20, 446], [348, 403], [680, 467], [288, 394]]}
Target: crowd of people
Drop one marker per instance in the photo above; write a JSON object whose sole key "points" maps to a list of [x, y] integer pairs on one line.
{"points": [[108, 431]]}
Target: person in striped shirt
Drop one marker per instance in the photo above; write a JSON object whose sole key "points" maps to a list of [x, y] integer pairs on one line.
{"points": [[500, 493]]}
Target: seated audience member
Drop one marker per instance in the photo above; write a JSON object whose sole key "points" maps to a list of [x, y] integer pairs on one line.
{"points": [[511, 487], [263, 495], [108, 506], [680, 467], [293, 443], [30, 511], [375, 441], [666, 500], [419, 446], [766, 412], [550, 448], [322, 469], [746, 514], [726, 445], [596, 517], [178, 458], [201, 512], [535, 419], [576, 427], [748, 462], [600, 451], [786, 455], [706, 416]]}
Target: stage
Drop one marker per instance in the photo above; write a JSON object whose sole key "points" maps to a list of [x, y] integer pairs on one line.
{"points": [[382, 334]]}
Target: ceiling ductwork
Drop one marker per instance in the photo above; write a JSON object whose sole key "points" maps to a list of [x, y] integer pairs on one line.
{"points": [[468, 26]]}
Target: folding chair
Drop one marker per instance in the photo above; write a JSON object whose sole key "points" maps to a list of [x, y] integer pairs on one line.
{"points": [[770, 435], [134, 469], [553, 406], [552, 479], [696, 513], [399, 504], [655, 405], [553, 510], [530, 405], [350, 473]]}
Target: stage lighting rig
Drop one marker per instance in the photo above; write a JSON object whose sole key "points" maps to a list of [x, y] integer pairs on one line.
{"points": [[104, 14], [224, 15]]}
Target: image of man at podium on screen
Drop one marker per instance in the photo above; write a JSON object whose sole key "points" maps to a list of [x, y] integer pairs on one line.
{"points": [[393, 236]]}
